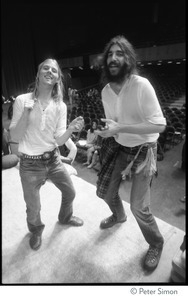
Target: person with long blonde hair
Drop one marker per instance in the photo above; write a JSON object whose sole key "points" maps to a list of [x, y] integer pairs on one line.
{"points": [[39, 124]]}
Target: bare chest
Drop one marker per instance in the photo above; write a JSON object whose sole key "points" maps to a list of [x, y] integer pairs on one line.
{"points": [[116, 88]]}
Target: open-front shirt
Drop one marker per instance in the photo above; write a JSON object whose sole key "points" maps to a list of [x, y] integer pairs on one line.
{"points": [[135, 104], [43, 126]]}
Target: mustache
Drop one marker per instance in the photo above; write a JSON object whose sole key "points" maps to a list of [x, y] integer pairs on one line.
{"points": [[113, 64]]}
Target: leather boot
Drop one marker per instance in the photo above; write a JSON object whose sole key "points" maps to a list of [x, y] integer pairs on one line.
{"points": [[35, 241]]}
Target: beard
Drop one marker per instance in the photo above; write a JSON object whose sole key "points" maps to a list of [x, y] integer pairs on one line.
{"points": [[120, 76]]}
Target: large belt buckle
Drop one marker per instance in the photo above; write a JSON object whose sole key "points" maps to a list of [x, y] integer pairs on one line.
{"points": [[46, 155]]}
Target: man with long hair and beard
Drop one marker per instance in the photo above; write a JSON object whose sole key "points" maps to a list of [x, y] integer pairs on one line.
{"points": [[133, 121], [39, 125]]}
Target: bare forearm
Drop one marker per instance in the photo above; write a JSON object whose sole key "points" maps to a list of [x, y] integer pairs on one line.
{"points": [[112, 128], [142, 128], [64, 137], [18, 131], [75, 126]]}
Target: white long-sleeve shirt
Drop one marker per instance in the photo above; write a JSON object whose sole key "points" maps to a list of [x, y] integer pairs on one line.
{"points": [[44, 126], [136, 103]]}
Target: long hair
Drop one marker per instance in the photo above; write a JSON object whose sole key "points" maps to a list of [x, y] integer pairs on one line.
{"points": [[58, 88], [128, 51], [91, 128]]}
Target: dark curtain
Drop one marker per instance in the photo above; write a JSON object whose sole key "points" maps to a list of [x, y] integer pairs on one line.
{"points": [[18, 59]]}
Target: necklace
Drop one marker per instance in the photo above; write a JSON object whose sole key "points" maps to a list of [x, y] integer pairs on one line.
{"points": [[44, 105]]}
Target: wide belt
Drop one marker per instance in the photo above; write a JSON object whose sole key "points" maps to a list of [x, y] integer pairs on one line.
{"points": [[45, 156]]}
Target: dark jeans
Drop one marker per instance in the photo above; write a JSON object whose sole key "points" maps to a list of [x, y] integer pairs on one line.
{"points": [[139, 198], [34, 174]]}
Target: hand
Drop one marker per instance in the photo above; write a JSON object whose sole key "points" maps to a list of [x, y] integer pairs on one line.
{"points": [[66, 159], [77, 124], [29, 104], [111, 128]]}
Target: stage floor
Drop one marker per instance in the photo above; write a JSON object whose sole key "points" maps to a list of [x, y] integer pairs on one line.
{"points": [[81, 255]]}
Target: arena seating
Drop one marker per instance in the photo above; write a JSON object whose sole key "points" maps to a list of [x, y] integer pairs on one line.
{"points": [[167, 79]]}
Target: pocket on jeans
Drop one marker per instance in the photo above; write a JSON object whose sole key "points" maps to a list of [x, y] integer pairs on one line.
{"points": [[27, 163]]}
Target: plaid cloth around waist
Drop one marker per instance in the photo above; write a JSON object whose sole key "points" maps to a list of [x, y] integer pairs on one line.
{"points": [[134, 150], [45, 156], [108, 153]]}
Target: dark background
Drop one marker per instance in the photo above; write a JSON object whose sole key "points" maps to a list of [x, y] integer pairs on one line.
{"points": [[31, 32]]}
